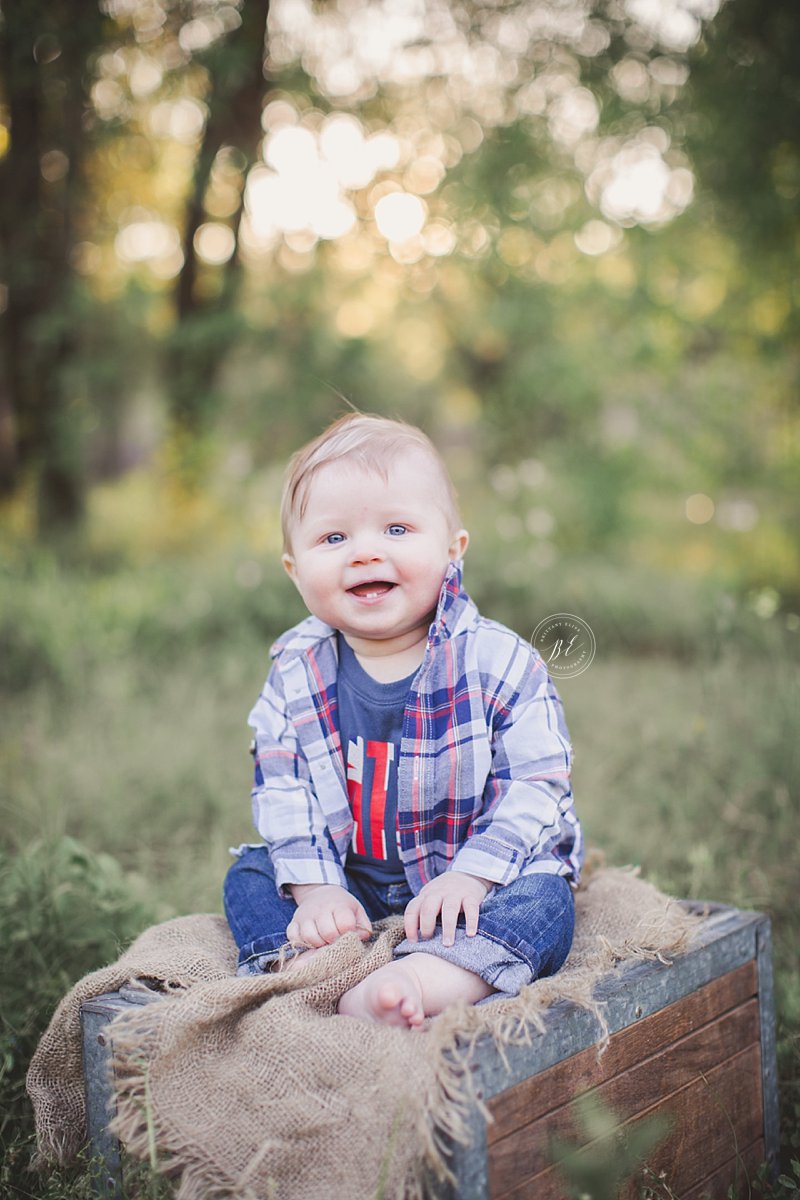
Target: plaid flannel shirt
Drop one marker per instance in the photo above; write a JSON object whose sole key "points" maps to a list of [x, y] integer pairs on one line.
{"points": [[483, 776]]}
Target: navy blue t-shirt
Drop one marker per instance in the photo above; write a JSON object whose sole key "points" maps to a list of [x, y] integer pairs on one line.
{"points": [[371, 728]]}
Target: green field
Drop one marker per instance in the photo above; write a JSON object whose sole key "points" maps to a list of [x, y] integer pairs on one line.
{"points": [[123, 755]]}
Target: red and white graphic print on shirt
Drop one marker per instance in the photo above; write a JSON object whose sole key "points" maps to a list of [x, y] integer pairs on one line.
{"points": [[369, 812]]}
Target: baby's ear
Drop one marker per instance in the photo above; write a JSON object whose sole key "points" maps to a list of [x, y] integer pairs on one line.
{"points": [[458, 546], [289, 567]]}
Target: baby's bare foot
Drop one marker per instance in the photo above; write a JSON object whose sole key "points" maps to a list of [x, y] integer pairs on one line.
{"points": [[392, 995]]}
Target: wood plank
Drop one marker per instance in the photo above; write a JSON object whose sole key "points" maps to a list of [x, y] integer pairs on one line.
{"points": [[703, 1133], [769, 1062], [100, 1101], [725, 1110], [688, 1064], [533, 1097], [739, 1170], [633, 990]]}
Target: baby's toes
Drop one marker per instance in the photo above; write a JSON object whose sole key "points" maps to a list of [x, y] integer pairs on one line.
{"points": [[389, 997], [412, 1012]]}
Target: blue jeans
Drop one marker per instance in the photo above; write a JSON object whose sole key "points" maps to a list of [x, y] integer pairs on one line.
{"points": [[524, 929]]}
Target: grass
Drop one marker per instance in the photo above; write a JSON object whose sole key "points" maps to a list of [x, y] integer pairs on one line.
{"points": [[123, 755]]}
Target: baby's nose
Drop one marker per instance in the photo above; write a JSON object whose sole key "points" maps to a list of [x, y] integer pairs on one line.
{"points": [[365, 548]]}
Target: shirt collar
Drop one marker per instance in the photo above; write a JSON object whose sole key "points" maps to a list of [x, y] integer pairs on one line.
{"points": [[453, 603]]}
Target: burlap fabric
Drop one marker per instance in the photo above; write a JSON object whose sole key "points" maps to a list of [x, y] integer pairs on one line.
{"points": [[256, 1088]]}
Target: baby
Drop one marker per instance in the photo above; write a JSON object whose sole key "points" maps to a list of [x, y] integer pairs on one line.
{"points": [[410, 755]]}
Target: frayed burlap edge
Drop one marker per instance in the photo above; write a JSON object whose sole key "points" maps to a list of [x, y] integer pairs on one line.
{"points": [[162, 954]]}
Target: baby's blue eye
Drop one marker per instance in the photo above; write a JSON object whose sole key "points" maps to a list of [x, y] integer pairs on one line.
{"points": [[397, 530], [333, 539]]}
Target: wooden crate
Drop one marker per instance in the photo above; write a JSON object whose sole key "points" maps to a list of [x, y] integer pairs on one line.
{"points": [[693, 1041]]}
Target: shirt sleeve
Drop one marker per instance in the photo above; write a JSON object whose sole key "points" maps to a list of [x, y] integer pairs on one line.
{"points": [[286, 811], [527, 799]]}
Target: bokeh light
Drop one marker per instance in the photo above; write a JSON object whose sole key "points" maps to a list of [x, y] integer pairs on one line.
{"points": [[214, 243], [310, 173], [400, 216], [633, 183], [143, 240], [699, 508]]}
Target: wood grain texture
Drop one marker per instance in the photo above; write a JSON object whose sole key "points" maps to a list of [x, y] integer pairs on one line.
{"points": [[718, 1112], [740, 1170], [533, 1097], [712, 1098]]}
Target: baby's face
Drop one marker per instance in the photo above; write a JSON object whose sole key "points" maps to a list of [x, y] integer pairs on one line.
{"points": [[369, 554]]}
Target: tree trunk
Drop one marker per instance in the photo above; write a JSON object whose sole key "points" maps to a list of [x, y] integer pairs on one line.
{"points": [[203, 335], [44, 49]]}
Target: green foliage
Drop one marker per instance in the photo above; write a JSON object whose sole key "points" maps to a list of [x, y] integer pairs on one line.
{"points": [[19, 1180], [56, 625], [744, 87], [609, 1154], [65, 910], [787, 1185]]}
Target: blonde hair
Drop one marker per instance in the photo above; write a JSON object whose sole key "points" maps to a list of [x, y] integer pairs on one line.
{"points": [[372, 443]]}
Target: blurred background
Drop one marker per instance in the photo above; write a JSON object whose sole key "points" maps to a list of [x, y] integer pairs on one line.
{"points": [[561, 236]]}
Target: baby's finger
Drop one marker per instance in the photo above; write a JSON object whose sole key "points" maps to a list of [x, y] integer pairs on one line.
{"points": [[450, 910], [363, 924], [472, 911], [309, 934], [326, 928], [428, 915], [411, 919], [345, 920]]}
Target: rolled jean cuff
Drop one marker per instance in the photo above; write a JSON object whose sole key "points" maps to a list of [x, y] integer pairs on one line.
{"points": [[493, 960], [258, 956]]}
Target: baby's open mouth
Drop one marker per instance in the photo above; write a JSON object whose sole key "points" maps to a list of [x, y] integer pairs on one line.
{"points": [[376, 587]]}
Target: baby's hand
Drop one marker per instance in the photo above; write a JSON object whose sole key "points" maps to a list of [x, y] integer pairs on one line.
{"points": [[448, 894], [324, 912]]}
